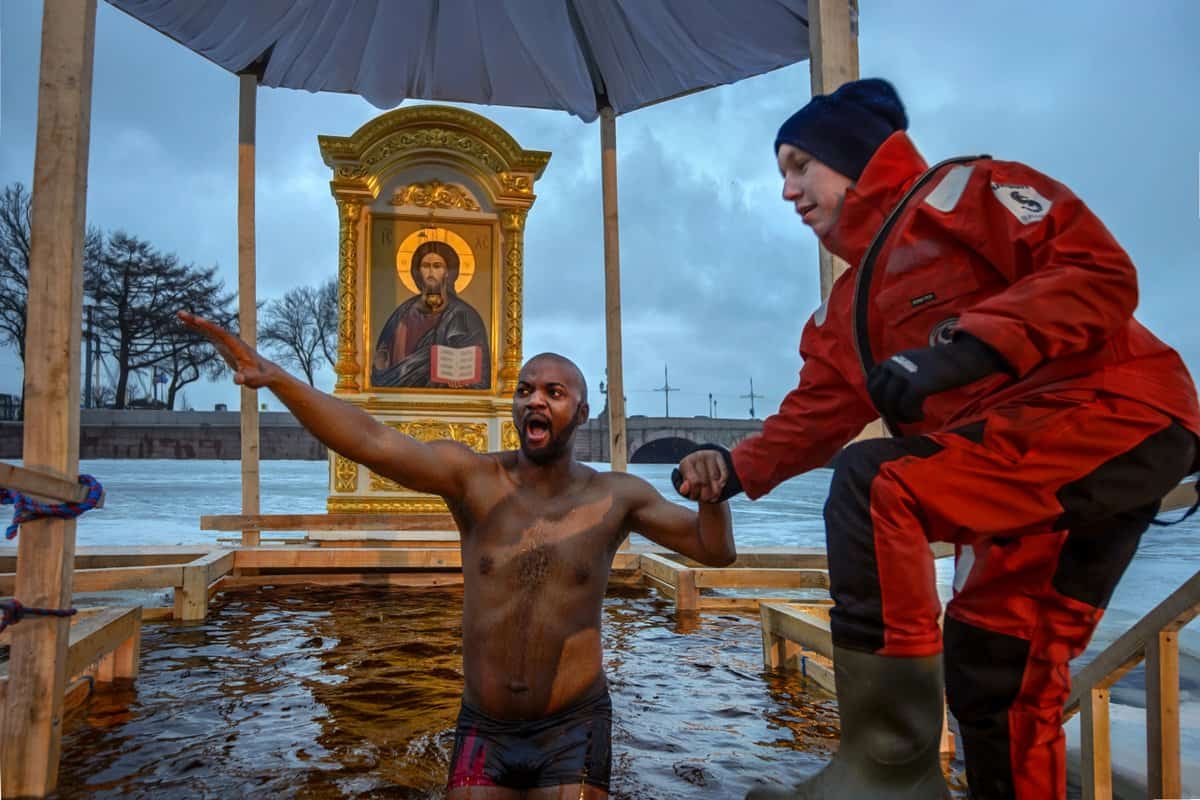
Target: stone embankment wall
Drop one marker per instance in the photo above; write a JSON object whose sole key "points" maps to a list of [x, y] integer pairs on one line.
{"points": [[105, 433]]}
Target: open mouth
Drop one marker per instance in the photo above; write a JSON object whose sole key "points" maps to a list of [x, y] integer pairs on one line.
{"points": [[537, 431], [804, 211]]}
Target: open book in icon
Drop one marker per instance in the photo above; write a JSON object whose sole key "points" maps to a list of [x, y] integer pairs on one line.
{"points": [[456, 365]]}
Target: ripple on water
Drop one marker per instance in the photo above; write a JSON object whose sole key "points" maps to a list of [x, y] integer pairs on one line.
{"points": [[316, 699]]}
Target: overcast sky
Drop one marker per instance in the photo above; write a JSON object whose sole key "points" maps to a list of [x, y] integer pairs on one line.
{"points": [[719, 275]]}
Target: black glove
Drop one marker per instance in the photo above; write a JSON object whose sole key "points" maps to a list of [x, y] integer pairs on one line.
{"points": [[899, 386], [732, 484]]}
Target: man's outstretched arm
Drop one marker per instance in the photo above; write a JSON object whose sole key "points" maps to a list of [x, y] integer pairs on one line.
{"points": [[705, 535], [434, 467]]}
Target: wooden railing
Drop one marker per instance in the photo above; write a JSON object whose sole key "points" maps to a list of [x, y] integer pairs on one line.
{"points": [[42, 485], [1153, 639]]}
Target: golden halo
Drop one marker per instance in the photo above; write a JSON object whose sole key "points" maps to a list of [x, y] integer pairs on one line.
{"points": [[466, 258]]}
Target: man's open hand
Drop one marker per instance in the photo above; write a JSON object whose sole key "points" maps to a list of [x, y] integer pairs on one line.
{"points": [[249, 368]]}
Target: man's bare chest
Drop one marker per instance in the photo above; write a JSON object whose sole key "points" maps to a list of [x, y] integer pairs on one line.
{"points": [[527, 542]]}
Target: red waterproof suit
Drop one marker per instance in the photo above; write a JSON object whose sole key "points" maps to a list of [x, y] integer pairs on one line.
{"points": [[1045, 477]]}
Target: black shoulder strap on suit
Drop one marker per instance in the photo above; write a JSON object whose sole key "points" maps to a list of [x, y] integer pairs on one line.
{"points": [[862, 286]]}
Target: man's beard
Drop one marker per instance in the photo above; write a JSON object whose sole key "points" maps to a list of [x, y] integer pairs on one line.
{"points": [[434, 299], [554, 448]]}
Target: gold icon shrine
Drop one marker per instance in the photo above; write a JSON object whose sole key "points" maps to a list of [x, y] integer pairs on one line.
{"points": [[432, 203]]}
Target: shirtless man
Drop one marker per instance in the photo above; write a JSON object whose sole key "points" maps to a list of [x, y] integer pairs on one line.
{"points": [[539, 531]]}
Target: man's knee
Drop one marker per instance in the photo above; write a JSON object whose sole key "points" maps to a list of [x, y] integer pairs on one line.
{"points": [[984, 670]]}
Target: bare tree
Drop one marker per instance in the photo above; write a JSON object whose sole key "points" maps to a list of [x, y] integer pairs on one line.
{"points": [[15, 226], [327, 320], [301, 327], [137, 290]]}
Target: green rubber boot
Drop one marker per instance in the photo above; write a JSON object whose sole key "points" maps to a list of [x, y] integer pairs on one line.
{"points": [[891, 710]]}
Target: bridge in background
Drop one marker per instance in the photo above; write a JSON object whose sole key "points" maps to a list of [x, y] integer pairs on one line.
{"points": [[661, 440], [217, 435]]}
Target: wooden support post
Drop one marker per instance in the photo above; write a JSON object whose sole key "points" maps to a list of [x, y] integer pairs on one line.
{"points": [[1163, 775], [32, 726], [687, 594], [612, 292], [1096, 759], [768, 638], [191, 599], [946, 743], [247, 293], [833, 60], [127, 659]]}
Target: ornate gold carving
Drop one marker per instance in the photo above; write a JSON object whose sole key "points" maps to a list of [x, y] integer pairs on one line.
{"points": [[516, 184], [349, 213], [509, 438], [345, 474], [350, 172], [455, 122], [412, 403], [424, 504], [512, 220], [442, 138], [472, 434], [435, 194], [378, 483]]}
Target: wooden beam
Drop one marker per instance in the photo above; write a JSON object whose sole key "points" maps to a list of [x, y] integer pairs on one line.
{"points": [[617, 441], [247, 292], [662, 586], [1127, 651], [626, 561], [32, 727], [796, 626], [108, 557], [732, 578], [746, 605], [400, 579], [93, 634], [41, 486], [833, 60], [1095, 743], [99, 634], [105, 627], [665, 569], [328, 522], [319, 558], [100, 558], [216, 565], [191, 593], [104, 580], [1163, 775], [687, 593]]}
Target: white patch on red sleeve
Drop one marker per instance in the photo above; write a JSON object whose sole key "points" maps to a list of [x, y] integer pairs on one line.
{"points": [[1025, 202]]}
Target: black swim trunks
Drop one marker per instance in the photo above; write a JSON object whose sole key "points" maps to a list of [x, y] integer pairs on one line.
{"points": [[571, 747]]}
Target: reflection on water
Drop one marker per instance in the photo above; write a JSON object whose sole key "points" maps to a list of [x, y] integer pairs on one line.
{"points": [[352, 692]]}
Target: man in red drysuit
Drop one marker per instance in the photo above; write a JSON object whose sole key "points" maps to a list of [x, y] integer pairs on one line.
{"points": [[988, 318]]}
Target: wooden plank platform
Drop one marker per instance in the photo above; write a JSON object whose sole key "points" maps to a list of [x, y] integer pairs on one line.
{"points": [[686, 582], [104, 643]]}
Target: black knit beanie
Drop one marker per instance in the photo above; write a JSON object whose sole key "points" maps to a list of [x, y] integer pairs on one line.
{"points": [[844, 129]]}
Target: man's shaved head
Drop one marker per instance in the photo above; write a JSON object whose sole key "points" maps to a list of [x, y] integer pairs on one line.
{"points": [[571, 367]]}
